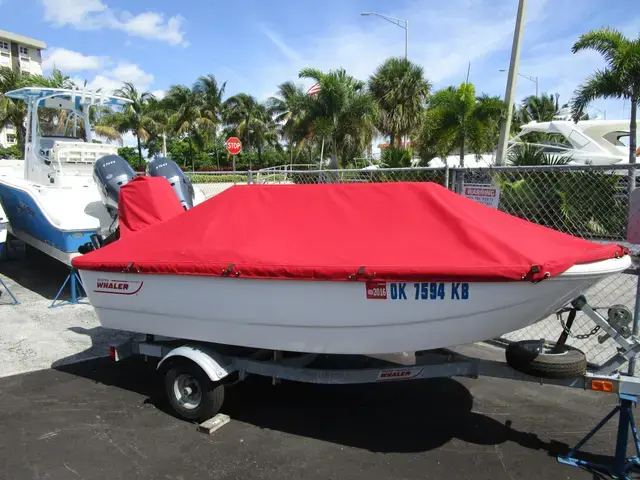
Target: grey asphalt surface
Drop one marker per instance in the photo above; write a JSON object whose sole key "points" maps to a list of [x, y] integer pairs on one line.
{"points": [[103, 420]]}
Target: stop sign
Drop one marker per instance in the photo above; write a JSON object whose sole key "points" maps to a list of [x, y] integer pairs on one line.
{"points": [[233, 145]]}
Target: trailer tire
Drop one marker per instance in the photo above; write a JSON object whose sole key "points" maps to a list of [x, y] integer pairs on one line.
{"points": [[526, 356], [191, 392]]}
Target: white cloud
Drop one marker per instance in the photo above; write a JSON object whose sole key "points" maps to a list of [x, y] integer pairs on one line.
{"points": [[284, 48], [94, 14], [73, 12], [159, 94], [151, 25], [70, 61], [111, 80]]}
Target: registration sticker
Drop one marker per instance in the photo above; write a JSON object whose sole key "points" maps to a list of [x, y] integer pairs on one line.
{"points": [[376, 290]]}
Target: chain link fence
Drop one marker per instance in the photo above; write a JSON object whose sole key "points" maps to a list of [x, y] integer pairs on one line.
{"points": [[590, 202]]}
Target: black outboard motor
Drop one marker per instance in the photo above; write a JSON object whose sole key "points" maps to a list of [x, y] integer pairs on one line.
{"points": [[167, 168], [110, 173]]}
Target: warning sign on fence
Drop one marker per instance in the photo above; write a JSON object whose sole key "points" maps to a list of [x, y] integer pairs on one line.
{"points": [[486, 194]]}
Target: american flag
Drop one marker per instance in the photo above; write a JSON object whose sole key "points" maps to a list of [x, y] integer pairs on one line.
{"points": [[314, 89]]}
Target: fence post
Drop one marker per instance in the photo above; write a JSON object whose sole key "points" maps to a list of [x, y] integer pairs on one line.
{"points": [[250, 177], [636, 320], [454, 176], [446, 176]]}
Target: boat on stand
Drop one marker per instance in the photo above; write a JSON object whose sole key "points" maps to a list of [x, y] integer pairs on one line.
{"points": [[51, 198]]}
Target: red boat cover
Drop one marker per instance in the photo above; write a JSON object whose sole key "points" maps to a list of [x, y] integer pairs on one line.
{"points": [[395, 231], [145, 201]]}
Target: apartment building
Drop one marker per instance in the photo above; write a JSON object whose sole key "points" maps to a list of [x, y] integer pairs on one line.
{"points": [[19, 53]]}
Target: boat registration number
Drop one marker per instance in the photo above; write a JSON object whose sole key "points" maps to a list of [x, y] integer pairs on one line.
{"points": [[417, 291]]}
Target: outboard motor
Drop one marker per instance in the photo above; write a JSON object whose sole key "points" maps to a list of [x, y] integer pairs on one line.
{"points": [[110, 173], [167, 168]]}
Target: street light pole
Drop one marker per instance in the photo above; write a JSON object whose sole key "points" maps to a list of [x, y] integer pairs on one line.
{"points": [[511, 84], [400, 23], [528, 77]]}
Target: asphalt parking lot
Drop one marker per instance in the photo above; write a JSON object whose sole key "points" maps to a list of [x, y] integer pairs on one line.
{"points": [[65, 414], [105, 420]]}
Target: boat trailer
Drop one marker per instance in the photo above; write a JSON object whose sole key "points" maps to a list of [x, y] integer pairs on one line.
{"points": [[196, 374]]}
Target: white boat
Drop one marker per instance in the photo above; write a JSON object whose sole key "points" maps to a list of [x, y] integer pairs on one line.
{"points": [[51, 198], [330, 317], [4, 224], [587, 142], [168, 281]]}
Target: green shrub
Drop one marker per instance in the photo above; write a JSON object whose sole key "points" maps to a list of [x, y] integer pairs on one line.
{"points": [[224, 178], [11, 152]]}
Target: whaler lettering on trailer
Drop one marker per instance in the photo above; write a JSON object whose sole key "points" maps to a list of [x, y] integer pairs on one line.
{"points": [[117, 287], [417, 291], [396, 374]]}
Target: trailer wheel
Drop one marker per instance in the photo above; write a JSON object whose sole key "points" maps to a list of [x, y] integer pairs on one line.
{"points": [[539, 359], [191, 392]]}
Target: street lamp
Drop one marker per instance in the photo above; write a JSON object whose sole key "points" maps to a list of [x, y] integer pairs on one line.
{"points": [[400, 23], [528, 77]]}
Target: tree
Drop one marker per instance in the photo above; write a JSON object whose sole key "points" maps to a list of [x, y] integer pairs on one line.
{"points": [[619, 79], [342, 111], [458, 120], [187, 116], [542, 108], [14, 112], [399, 87], [211, 97], [287, 108], [250, 121], [134, 118]]}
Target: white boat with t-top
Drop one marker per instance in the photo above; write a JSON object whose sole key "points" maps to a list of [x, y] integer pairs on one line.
{"points": [[335, 268], [51, 198]]}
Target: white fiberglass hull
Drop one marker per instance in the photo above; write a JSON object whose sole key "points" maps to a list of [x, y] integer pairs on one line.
{"points": [[4, 226], [331, 317]]}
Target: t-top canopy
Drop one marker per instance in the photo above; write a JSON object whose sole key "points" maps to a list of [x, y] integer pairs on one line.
{"points": [[77, 96], [386, 231]]}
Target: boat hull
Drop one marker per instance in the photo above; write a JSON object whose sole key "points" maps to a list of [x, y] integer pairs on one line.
{"points": [[39, 221], [3, 235], [330, 317]]}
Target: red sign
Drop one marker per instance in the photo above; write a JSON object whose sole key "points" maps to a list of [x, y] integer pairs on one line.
{"points": [[233, 145], [376, 290]]}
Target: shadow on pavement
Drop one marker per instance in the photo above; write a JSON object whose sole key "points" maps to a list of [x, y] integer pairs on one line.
{"points": [[403, 417], [35, 271]]}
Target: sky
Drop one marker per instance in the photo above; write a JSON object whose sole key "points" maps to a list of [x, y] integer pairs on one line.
{"points": [[254, 45]]}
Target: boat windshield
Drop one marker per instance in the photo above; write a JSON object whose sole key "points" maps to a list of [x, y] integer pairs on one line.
{"points": [[60, 123], [548, 142]]}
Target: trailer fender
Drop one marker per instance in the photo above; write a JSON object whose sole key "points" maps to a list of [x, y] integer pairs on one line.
{"points": [[213, 364]]}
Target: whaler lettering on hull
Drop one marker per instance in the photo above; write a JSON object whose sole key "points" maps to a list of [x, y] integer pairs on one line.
{"points": [[117, 287], [417, 291]]}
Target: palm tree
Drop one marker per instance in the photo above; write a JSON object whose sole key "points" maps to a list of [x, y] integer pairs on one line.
{"points": [[251, 122], [401, 90], [342, 111], [211, 92], [287, 108], [188, 115], [457, 119], [542, 108], [135, 117], [619, 79], [14, 112]]}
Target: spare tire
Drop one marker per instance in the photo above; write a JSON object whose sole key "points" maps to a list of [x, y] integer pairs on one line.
{"points": [[539, 359]]}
